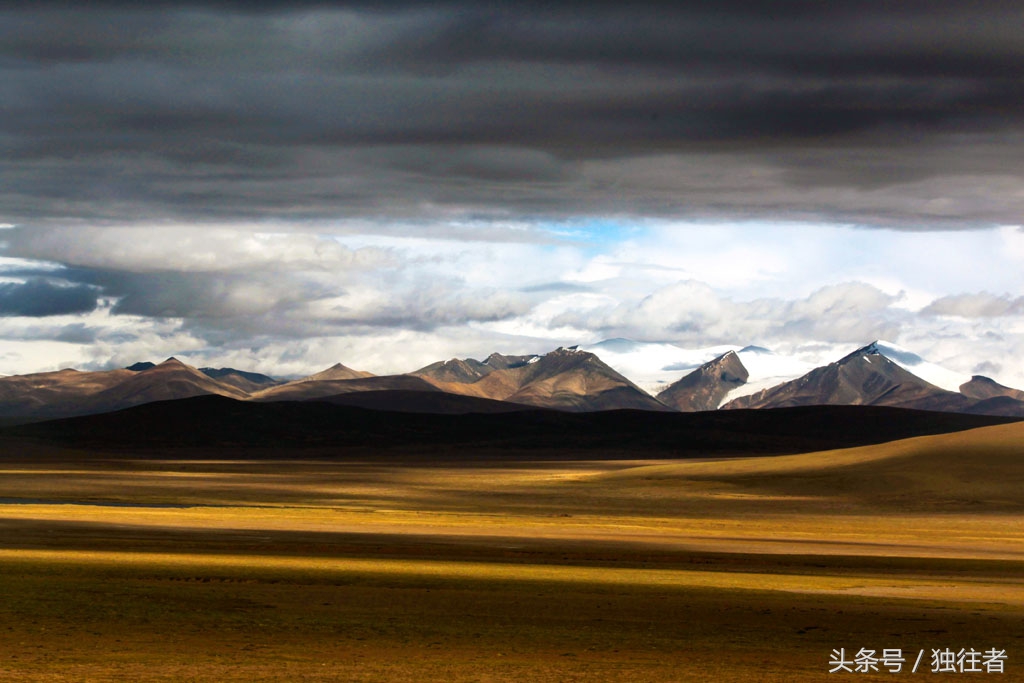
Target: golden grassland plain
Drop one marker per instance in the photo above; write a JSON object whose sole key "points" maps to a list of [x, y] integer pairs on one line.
{"points": [[117, 568]]}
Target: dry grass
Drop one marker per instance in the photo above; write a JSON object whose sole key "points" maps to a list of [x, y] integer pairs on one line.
{"points": [[976, 470], [319, 570]]}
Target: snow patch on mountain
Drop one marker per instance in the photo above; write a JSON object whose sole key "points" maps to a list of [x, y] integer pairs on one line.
{"points": [[652, 366], [767, 369], [929, 372]]}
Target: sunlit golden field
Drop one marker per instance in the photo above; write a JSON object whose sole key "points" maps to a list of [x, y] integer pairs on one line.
{"points": [[122, 568]]}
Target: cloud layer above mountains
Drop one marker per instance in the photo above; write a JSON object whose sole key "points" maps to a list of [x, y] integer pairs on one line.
{"points": [[284, 185], [891, 113]]}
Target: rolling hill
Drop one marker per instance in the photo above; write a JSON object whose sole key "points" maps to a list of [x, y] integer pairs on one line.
{"points": [[215, 425], [976, 470]]}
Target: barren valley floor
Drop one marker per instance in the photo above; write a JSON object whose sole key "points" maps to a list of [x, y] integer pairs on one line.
{"points": [[114, 567]]}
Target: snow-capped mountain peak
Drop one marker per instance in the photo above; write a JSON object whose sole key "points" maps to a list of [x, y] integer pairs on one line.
{"points": [[912, 363]]}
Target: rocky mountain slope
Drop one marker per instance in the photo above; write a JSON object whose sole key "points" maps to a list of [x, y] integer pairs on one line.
{"points": [[310, 389], [167, 381], [705, 387], [246, 381], [868, 376], [982, 388], [566, 379], [53, 394]]}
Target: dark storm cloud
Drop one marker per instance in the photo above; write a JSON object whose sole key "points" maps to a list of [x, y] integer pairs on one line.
{"points": [[77, 333], [224, 306], [895, 113], [229, 298], [40, 297]]}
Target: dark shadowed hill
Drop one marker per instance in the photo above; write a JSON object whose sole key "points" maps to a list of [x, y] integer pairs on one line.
{"points": [[433, 402], [998, 405], [222, 427]]}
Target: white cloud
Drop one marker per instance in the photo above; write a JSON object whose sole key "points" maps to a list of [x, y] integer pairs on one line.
{"points": [[600, 268], [191, 249], [96, 340], [561, 319], [694, 314], [1012, 241], [286, 299], [978, 305], [838, 306]]}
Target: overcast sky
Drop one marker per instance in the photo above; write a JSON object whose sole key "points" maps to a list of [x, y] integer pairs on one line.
{"points": [[282, 186]]}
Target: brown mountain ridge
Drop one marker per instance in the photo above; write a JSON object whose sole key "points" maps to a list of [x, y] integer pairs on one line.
{"points": [[707, 386], [566, 379], [863, 377]]}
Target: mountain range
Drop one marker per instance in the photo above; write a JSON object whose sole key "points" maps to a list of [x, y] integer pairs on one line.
{"points": [[567, 379], [879, 374]]}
